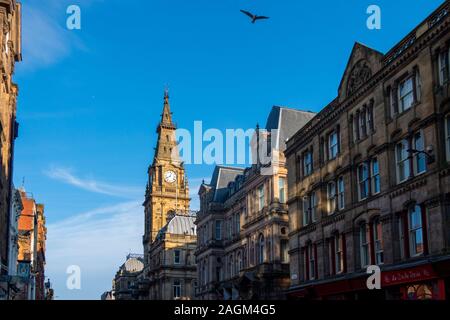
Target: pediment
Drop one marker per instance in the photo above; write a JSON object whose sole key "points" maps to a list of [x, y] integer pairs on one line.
{"points": [[363, 63]]}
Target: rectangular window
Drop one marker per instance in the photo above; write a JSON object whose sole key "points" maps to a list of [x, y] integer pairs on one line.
{"points": [[284, 251], [402, 158], [331, 197], [370, 119], [333, 145], [378, 241], [310, 209], [307, 163], [375, 173], [406, 94], [363, 181], [447, 136], [282, 189], [312, 262], [177, 289], [261, 199], [177, 257], [416, 242], [363, 124], [341, 193], [218, 230], [420, 165], [339, 263], [443, 67], [364, 246], [314, 206]]}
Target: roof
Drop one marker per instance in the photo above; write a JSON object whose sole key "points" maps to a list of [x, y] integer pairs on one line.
{"points": [[222, 176], [179, 225], [133, 265], [287, 121]]}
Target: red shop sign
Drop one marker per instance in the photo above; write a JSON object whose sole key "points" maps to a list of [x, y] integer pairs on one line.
{"points": [[416, 274]]}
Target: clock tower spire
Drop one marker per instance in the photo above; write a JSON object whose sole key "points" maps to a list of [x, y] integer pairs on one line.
{"points": [[167, 190]]}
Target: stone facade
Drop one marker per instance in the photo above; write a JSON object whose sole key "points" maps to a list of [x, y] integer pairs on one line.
{"points": [[166, 198], [126, 278], [242, 250], [10, 41], [369, 179], [172, 272]]}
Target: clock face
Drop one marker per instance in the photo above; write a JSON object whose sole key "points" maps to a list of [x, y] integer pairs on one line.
{"points": [[170, 176]]}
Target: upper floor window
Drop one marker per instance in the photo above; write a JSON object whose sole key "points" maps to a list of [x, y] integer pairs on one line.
{"points": [[261, 249], [443, 64], [406, 94], [312, 261], [177, 289], [378, 241], [218, 230], [341, 193], [375, 176], [333, 145], [177, 257], [410, 157], [363, 181], [307, 163], [364, 245], [284, 250], [402, 158], [261, 200], [282, 189], [416, 243], [338, 253], [331, 197], [310, 209], [447, 136]]}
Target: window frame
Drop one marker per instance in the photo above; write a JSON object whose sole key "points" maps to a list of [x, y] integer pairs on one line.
{"points": [[218, 230], [447, 137], [417, 157], [341, 193], [364, 245], [338, 254], [177, 256], [311, 262], [333, 149], [378, 245], [307, 163], [331, 197], [261, 197], [444, 70], [416, 209], [282, 189], [402, 161], [363, 181], [375, 177], [177, 287], [403, 96]]}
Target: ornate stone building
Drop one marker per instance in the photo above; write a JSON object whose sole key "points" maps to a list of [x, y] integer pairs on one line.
{"points": [[167, 198], [172, 272], [126, 277], [369, 179], [242, 226], [10, 41]]}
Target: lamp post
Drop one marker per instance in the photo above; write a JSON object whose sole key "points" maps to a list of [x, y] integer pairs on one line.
{"points": [[430, 157]]}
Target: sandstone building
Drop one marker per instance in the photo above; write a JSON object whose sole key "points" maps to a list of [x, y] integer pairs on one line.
{"points": [[242, 226], [10, 41], [369, 180], [125, 278], [168, 233]]}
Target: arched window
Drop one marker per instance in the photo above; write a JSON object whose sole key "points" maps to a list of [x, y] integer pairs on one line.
{"points": [[261, 253]]}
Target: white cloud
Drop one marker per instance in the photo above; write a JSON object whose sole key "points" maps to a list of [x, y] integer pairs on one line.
{"points": [[65, 175], [97, 242]]}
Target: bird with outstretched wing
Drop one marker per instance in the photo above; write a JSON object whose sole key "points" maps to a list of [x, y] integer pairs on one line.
{"points": [[254, 17]]}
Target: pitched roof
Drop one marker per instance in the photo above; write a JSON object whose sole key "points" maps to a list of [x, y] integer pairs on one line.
{"points": [[222, 176], [287, 122]]}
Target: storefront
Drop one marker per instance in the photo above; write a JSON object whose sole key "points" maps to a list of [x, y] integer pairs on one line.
{"points": [[427, 281]]}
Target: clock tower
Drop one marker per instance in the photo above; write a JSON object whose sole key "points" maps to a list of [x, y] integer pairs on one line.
{"points": [[167, 190]]}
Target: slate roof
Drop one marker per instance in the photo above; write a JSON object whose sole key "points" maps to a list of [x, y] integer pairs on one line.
{"points": [[222, 176], [288, 121]]}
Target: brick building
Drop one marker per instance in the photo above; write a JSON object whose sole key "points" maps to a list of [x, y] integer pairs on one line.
{"points": [[370, 182]]}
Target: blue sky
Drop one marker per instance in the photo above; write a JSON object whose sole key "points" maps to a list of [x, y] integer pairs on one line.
{"points": [[90, 99]]}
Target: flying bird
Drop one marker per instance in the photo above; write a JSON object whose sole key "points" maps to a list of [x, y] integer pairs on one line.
{"points": [[254, 17]]}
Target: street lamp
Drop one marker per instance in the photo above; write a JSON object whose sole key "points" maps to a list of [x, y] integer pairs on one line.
{"points": [[430, 157]]}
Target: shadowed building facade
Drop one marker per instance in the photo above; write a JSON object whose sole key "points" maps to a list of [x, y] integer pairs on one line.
{"points": [[242, 226], [10, 41], [369, 179]]}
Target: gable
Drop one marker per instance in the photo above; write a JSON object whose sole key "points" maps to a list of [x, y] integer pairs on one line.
{"points": [[364, 62]]}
